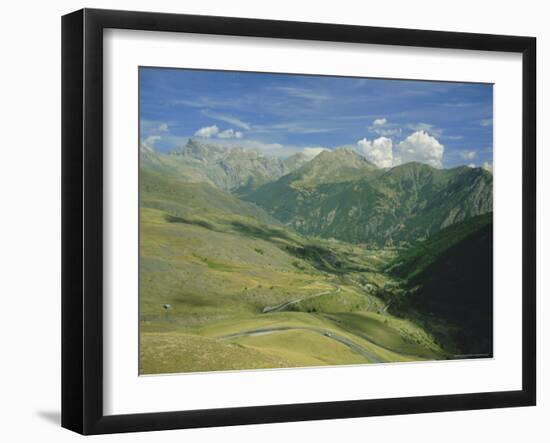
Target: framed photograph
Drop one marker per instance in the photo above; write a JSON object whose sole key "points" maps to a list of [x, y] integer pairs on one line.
{"points": [[269, 221]]}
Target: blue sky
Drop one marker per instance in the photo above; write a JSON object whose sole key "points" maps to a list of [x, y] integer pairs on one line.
{"points": [[389, 121]]}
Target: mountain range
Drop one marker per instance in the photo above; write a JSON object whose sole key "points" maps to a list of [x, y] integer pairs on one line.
{"points": [[337, 194], [232, 169], [249, 261]]}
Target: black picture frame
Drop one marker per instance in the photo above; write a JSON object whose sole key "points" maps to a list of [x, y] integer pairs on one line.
{"points": [[82, 220]]}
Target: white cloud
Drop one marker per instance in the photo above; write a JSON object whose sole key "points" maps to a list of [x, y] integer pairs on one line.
{"points": [[486, 122], [151, 140], [380, 126], [153, 126], [207, 131], [230, 133], [426, 127], [292, 127], [307, 94], [385, 132], [488, 167], [313, 151], [208, 102], [227, 119], [468, 155], [472, 165], [421, 147], [378, 151], [459, 104]]}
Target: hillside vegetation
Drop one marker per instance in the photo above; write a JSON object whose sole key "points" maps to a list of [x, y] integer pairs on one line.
{"points": [[451, 294], [229, 284], [422, 253], [381, 208]]}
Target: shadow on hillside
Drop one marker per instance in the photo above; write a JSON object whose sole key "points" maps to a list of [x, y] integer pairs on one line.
{"points": [[201, 223], [320, 257], [259, 231]]}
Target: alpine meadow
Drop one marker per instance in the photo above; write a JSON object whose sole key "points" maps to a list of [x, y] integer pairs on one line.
{"points": [[300, 220]]}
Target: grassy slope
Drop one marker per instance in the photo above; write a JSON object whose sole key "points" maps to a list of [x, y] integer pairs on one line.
{"points": [[218, 262], [198, 200]]}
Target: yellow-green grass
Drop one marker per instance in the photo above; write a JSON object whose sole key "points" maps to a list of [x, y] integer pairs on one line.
{"points": [[309, 344], [310, 321], [203, 273], [277, 319], [303, 348], [399, 335], [346, 299], [217, 278], [164, 353]]}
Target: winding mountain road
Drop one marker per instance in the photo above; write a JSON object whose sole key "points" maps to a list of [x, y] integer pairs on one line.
{"points": [[365, 293], [326, 333], [285, 304]]}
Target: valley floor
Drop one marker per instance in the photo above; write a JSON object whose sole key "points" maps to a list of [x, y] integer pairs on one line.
{"points": [[219, 293]]}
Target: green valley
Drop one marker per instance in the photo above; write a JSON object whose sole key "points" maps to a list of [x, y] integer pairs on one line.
{"points": [[249, 261]]}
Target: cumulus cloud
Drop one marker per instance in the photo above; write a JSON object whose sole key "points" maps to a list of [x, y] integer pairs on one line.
{"points": [[163, 127], [417, 147], [488, 167], [486, 122], [468, 155], [380, 126], [378, 151], [230, 133], [207, 131], [151, 140], [313, 151], [426, 127], [421, 147]]}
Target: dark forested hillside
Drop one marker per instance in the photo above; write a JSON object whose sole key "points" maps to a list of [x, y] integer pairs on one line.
{"points": [[453, 295]]}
